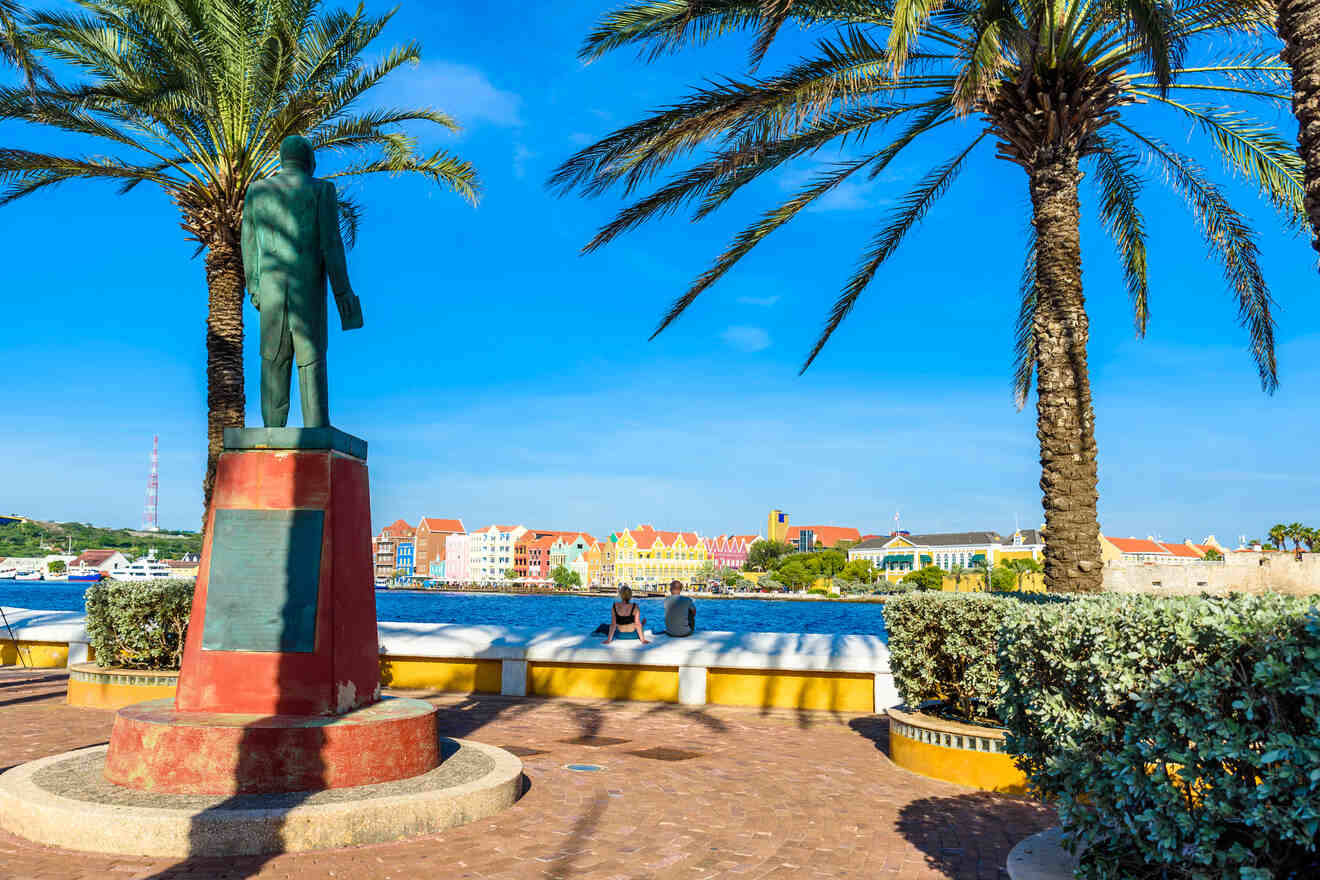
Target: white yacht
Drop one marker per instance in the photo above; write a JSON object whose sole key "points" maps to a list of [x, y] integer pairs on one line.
{"points": [[28, 575], [148, 568], [7, 572]]}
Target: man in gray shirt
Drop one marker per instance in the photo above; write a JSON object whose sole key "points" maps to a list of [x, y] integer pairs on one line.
{"points": [[680, 612]]}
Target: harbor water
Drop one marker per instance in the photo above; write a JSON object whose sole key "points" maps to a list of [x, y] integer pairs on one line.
{"points": [[832, 617]]}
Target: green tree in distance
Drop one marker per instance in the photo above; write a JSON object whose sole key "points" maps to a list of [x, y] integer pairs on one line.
{"points": [[56, 566], [511, 574], [929, 578], [861, 570], [762, 554], [1278, 534], [1052, 85], [565, 578], [1213, 555], [1020, 567], [194, 97]]}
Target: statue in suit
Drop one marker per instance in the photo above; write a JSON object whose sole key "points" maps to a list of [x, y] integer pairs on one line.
{"points": [[291, 244]]}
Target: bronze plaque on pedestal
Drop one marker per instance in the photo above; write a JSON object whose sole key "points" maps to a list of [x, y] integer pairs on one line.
{"points": [[264, 579]]}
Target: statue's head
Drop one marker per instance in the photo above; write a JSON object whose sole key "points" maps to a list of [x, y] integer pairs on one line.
{"points": [[296, 152]]}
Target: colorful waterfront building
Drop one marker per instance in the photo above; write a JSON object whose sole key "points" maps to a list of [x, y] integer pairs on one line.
{"points": [[491, 552], [809, 538], [729, 551], [1153, 550], [456, 558], [600, 557], [901, 552], [385, 548], [581, 566], [646, 557], [568, 548], [430, 540]]}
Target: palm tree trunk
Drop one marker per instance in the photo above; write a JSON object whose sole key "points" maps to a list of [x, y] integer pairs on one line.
{"points": [[1065, 422], [1298, 23], [225, 402]]}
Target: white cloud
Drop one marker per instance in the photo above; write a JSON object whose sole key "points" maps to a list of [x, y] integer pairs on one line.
{"points": [[522, 154], [745, 338], [765, 301], [463, 92]]}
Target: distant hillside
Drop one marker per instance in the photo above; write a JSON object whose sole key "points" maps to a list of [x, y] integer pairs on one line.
{"points": [[34, 538]]}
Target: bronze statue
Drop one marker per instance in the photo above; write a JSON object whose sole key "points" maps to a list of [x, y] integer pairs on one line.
{"points": [[291, 244]]}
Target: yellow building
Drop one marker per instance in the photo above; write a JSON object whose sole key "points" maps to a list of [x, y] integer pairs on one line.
{"points": [[645, 557], [896, 555], [776, 527]]}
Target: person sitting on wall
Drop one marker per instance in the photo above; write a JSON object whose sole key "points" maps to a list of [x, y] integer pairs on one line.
{"points": [[625, 616], [680, 612]]}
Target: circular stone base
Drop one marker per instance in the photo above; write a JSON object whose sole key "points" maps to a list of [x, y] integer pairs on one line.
{"points": [[155, 748], [1041, 857], [64, 801]]}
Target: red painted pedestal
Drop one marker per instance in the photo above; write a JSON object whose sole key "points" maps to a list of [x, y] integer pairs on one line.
{"points": [[272, 687]]}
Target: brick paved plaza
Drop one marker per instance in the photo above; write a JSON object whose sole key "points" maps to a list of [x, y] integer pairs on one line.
{"points": [[684, 795]]}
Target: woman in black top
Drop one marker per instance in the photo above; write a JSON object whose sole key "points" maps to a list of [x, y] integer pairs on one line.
{"points": [[625, 616]]}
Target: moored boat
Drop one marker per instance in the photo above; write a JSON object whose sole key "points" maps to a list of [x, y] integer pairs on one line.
{"points": [[28, 575], [8, 573], [148, 568], [83, 573]]}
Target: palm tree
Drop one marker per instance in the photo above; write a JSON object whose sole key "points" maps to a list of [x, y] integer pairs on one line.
{"points": [[1296, 533], [1298, 25], [14, 47], [1050, 84], [1020, 567], [1310, 537], [1279, 534], [194, 96]]}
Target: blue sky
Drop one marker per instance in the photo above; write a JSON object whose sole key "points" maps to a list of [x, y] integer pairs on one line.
{"points": [[502, 377]]}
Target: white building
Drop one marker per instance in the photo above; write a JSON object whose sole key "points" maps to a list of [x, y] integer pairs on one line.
{"points": [[490, 552]]}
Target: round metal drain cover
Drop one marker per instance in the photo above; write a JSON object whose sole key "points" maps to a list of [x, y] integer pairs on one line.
{"points": [[584, 768]]}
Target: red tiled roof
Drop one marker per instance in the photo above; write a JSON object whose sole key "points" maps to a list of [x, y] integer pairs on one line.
{"points": [[441, 525], [1181, 550], [398, 529], [827, 535], [1137, 545], [94, 558]]}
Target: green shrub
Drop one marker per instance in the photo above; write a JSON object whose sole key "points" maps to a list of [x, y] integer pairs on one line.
{"points": [[1176, 737], [138, 625], [942, 647], [929, 578]]}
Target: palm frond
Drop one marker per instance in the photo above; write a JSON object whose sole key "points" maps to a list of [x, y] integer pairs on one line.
{"points": [[1119, 188], [912, 208], [1230, 240], [1025, 351], [1256, 151]]}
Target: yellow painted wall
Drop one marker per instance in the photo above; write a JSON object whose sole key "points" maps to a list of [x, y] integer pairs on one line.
{"points": [[603, 681], [41, 654], [430, 673], [990, 771], [836, 691], [109, 695]]}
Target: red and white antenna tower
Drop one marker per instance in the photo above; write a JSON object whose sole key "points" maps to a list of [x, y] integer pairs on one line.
{"points": [[149, 521]]}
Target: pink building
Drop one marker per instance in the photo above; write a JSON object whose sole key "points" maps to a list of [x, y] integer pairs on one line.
{"points": [[456, 558], [729, 551]]}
